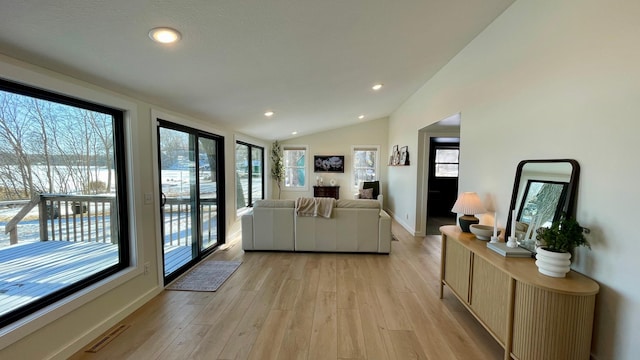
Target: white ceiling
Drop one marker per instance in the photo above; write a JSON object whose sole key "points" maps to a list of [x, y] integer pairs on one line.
{"points": [[313, 62]]}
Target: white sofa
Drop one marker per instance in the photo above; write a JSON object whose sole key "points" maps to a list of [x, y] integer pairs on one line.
{"points": [[354, 226]]}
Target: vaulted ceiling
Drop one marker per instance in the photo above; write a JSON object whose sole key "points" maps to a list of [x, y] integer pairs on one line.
{"points": [[313, 63]]}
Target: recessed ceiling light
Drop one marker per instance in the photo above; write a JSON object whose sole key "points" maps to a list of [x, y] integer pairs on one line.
{"points": [[361, 117], [269, 113], [377, 87], [294, 133], [164, 35]]}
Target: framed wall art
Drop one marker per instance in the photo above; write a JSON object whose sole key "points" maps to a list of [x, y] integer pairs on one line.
{"points": [[328, 163], [404, 155]]}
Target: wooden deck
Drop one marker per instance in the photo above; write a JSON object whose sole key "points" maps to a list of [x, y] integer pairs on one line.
{"points": [[78, 229], [176, 256], [32, 270]]}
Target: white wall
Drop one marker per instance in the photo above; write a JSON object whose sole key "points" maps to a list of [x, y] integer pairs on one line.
{"points": [[551, 79], [63, 330], [339, 142]]}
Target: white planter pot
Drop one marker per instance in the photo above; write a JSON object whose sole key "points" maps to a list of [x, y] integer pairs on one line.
{"points": [[552, 263]]}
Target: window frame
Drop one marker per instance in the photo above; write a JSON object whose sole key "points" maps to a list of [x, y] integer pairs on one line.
{"points": [[354, 148], [305, 167], [250, 149], [35, 80], [436, 163]]}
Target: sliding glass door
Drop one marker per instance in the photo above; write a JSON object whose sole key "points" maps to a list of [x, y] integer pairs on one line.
{"points": [[192, 206], [208, 192]]}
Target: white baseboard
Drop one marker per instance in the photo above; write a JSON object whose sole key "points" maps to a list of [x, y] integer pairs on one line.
{"points": [[91, 334], [402, 223]]}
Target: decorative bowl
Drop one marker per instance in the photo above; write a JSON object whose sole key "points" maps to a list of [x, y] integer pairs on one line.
{"points": [[482, 232]]}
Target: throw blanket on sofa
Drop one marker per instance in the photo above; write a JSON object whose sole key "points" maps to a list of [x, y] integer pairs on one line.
{"points": [[325, 206], [315, 207], [306, 207]]}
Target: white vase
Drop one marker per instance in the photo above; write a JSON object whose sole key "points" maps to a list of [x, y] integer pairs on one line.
{"points": [[551, 263]]}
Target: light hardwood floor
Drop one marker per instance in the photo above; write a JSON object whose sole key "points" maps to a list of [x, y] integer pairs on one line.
{"points": [[311, 306]]}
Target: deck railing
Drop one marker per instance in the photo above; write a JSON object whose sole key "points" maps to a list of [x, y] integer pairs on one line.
{"points": [[178, 223], [12, 226], [84, 218], [87, 218]]}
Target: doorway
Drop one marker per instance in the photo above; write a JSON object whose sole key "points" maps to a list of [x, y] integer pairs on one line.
{"points": [[444, 156], [191, 164]]}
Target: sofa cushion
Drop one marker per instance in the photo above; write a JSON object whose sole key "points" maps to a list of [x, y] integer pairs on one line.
{"points": [[274, 203], [349, 230], [375, 185], [365, 194], [272, 227], [358, 204]]}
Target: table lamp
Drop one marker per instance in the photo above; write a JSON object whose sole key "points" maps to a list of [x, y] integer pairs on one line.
{"points": [[468, 204]]}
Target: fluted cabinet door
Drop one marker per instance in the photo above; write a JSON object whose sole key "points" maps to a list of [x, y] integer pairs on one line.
{"points": [[550, 325], [490, 297], [456, 271]]}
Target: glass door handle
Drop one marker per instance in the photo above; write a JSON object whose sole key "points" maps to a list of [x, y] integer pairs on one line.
{"points": [[163, 200]]}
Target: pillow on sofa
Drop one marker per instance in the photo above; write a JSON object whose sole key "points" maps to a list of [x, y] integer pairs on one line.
{"points": [[365, 194]]}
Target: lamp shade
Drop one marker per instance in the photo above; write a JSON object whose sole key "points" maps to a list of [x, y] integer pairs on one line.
{"points": [[468, 203]]}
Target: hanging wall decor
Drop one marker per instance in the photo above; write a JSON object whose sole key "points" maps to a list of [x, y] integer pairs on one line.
{"points": [[399, 156], [404, 155]]}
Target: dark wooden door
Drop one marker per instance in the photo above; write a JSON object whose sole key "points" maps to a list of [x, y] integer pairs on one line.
{"points": [[443, 176]]}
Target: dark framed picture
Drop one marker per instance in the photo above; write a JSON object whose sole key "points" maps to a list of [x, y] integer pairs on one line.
{"points": [[395, 156], [404, 155], [328, 163]]}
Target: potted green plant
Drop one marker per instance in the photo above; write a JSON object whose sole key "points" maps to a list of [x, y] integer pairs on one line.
{"points": [[277, 166], [557, 244]]}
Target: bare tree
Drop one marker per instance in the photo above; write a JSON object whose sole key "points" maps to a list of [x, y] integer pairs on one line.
{"points": [[14, 127], [208, 146], [103, 131], [48, 147], [42, 115]]}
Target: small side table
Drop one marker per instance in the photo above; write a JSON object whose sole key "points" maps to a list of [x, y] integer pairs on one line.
{"points": [[326, 191]]}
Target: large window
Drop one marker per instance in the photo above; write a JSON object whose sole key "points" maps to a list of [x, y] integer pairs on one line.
{"points": [[295, 167], [62, 197], [365, 163], [249, 174]]}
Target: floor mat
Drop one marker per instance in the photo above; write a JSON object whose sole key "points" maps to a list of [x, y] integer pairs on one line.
{"points": [[207, 276]]}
